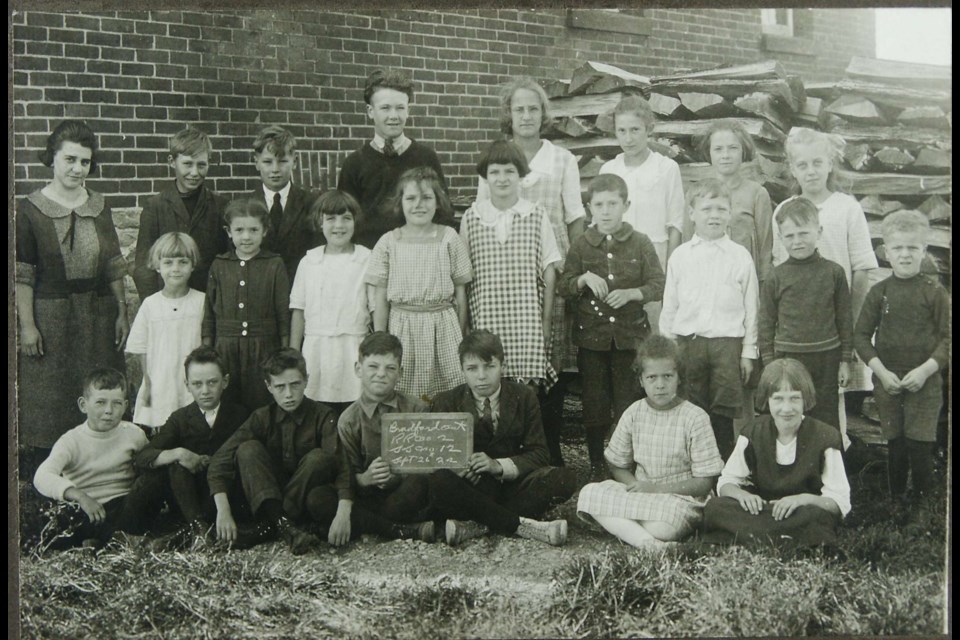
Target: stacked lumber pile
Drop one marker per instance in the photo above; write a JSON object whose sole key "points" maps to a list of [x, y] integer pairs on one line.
{"points": [[896, 120], [760, 95]]}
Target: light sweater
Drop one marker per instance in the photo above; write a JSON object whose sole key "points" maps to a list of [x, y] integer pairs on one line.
{"points": [[98, 463]]}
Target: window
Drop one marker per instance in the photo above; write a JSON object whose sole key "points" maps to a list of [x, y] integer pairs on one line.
{"points": [[777, 22]]}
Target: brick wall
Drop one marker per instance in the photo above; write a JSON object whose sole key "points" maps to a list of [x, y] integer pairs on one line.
{"points": [[138, 77]]}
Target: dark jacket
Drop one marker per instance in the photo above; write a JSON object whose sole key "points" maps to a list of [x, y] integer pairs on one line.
{"points": [[165, 212], [519, 434], [295, 236], [186, 427], [626, 259]]}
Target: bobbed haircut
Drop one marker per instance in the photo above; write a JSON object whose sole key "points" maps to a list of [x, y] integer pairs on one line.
{"points": [[608, 182], [282, 360], [832, 145], [507, 92], [387, 79], [74, 131], [906, 221], [786, 374], [247, 208], [104, 378], [709, 188], [482, 344], [335, 203], [800, 211], [502, 152], [728, 124], [276, 140], [380, 343], [421, 176], [657, 347], [203, 355], [638, 106], [190, 142], [174, 244]]}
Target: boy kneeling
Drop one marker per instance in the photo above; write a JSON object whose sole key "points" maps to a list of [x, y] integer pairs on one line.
{"points": [[92, 466], [281, 452], [508, 481]]}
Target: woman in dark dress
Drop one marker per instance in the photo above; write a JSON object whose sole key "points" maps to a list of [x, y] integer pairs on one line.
{"points": [[69, 290]]}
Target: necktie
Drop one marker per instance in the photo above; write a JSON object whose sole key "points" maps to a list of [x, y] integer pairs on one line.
{"points": [[487, 417], [388, 149], [276, 212]]}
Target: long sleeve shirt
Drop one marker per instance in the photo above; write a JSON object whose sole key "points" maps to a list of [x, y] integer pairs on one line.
{"points": [[655, 190], [904, 322], [805, 308], [626, 259], [98, 463], [287, 436], [711, 292]]}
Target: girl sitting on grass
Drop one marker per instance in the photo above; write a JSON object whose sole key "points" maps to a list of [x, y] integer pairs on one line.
{"points": [[663, 458], [784, 482]]}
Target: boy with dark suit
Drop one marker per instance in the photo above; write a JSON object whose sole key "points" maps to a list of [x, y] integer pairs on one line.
{"points": [[290, 234], [508, 481], [185, 443], [188, 206]]}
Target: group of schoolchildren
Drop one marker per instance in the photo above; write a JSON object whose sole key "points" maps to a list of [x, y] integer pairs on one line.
{"points": [[264, 398]]}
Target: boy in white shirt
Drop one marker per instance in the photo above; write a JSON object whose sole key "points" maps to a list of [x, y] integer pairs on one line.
{"points": [[710, 307], [91, 466]]}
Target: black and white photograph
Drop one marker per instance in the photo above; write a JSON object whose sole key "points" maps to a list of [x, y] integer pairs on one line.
{"points": [[530, 322]]}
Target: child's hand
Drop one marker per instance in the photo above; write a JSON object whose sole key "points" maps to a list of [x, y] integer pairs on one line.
{"points": [[746, 368], [843, 375], [750, 502], [596, 284], [377, 474], [619, 297], [31, 342], [784, 507], [339, 534], [480, 463], [191, 461], [92, 508], [914, 380], [226, 527], [639, 487], [891, 383]]}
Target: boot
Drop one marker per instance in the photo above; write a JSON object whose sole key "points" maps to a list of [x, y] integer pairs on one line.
{"points": [[459, 531], [423, 531], [298, 540], [553, 532], [190, 534]]}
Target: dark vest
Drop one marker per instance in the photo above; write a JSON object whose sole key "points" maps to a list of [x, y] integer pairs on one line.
{"points": [[773, 481]]}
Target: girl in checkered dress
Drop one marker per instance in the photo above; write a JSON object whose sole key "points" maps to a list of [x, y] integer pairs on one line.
{"points": [[663, 458], [420, 272], [514, 255]]}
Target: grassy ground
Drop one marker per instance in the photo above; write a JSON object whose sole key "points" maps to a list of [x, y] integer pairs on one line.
{"points": [[891, 582]]}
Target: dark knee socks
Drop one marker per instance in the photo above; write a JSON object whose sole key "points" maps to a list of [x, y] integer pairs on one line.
{"points": [[921, 465], [898, 466], [551, 410]]}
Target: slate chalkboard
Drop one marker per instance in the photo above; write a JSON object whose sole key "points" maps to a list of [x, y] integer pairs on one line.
{"points": [[425, 442]]}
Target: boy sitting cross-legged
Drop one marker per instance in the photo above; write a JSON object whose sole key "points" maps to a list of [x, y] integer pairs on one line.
{"points": [[187, 440], [509, 481], [281, 452], [382, 499], [92, 466]]}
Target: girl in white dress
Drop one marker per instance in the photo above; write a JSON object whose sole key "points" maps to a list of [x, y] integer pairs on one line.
{"points": [[330, 308], [166, 329]]}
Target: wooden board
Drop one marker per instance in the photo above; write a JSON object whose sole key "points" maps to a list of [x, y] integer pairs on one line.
{"points": [[555, 88], [607, 146], [667, 106], [936, 209], [730, 89], [591, 105], [707, 105], [901, 73], [895, 96], [857, 156], [598, 77], [759, 129], [894, 184], [857, 109], [893, 158], [425, 442], [763, 105], [574, 127], [754, 71], [898, 135], [933, 160], [924, 116], [939, 236]]}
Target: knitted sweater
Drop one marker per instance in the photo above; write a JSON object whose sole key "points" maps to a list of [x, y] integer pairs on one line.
{"points": [[98, 463], [371, 177]]}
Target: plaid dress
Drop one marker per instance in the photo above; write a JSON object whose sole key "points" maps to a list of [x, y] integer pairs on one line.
{"points": [[663, 445], [554, 183], [420, 275], [501, 297]]}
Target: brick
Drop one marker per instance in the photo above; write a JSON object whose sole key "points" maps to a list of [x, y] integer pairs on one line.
{"points": [[153, 56], [81, 51], [147, 27], [99, 96], [38, 19], [81, 111], [171, 71], [119, 25], [155, 84], [151, 171], [23, 32], [42, 109], [200, 100], [228, 20], [126, 84], [40, 79], [68, 65], [44, 48], [168, 99], [184, 31], [186, 114], [231, 102], [155, 113], [31, 63]]}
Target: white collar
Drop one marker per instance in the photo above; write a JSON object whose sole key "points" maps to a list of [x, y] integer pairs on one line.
{"points": [[494, 397], [268, 194], [317, 254], [487, 211]]}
